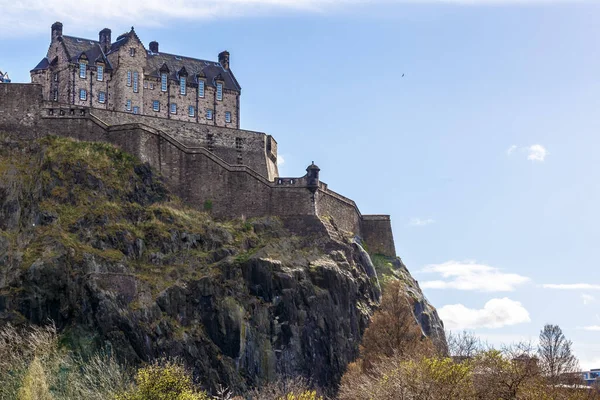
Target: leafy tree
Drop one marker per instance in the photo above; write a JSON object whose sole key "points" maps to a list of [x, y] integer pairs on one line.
{"points": [[168, 381], [555, 354]]}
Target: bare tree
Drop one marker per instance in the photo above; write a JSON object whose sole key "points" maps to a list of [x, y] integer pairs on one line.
{"points": [[555, 355], [463, 345]]}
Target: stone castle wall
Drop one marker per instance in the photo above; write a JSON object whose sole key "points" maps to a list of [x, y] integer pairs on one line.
{"points": [[203, 178]]}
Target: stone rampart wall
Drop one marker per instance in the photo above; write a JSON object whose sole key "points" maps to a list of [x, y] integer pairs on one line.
{"points": [[235, 146], [200, 177], [377, 233]]}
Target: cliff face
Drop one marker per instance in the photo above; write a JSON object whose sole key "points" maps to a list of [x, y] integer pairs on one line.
{"points": [[92, 240]]}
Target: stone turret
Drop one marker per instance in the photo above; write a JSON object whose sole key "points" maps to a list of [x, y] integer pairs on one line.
{"points": [[312, 177]]}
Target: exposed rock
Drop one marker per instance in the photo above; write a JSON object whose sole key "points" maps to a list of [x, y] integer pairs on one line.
{"points": [[91, 239]]}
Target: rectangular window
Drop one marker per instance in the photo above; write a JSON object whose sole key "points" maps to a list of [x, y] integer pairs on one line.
{"points": [[82, 70], [132, 52], [101, 97], [128, 78], [182, 85], [201, 89], [163, 82], [151, 86], [156, 105], [192, 111], [82, 94], [136, 110], [219, 91], [173, 108], [238, 143], [145, 85], [100, 75], [227, 116], [209, 114], [135, 82], [55, 95], [128, 105], [56, 77]]}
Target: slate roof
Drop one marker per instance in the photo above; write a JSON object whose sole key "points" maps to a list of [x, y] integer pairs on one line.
{"points": [[77, 46], [44, 64], [210, 70]]}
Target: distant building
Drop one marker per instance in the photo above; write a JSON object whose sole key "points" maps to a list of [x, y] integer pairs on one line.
{"points": [[126, 76], [591, 377], [4, 77]]}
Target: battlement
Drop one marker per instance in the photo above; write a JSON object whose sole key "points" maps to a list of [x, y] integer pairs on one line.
{"points": [[198, 162]]}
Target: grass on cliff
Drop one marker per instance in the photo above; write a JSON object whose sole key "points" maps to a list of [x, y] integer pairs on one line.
{"points": [[92, 199]]}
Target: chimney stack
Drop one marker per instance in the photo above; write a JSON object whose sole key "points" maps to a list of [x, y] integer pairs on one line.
{"points": [[104, 39], [224, 59], [154, 46], [56, 30]]}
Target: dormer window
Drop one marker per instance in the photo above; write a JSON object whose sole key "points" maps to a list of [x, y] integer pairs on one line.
{"points": [[163, 82], [219, 91], [82, 70], [201, 89], [182, 85], [100, 73]]}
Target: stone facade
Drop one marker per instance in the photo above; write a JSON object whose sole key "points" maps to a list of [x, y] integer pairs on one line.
{"points": [[198, 162], [125, 76]]}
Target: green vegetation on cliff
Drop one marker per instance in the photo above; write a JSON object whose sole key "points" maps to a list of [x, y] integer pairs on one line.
{"points": [[91, 239]]}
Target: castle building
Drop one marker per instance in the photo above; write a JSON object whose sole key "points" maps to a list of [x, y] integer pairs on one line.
{"points": [[181, 116], [125, 76]]}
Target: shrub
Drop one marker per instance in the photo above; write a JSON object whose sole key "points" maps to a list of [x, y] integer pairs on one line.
{"points": [[35, 384], [163, 381]]}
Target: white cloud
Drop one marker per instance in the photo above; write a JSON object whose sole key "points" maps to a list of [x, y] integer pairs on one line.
{"points": [[33, 16], [587, 299], [420, 222], [571, 286], [537, 152], [280, 160], [469, 275], [594, 328], [496, 313]]}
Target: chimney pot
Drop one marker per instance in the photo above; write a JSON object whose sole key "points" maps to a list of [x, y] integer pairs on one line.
{"points": [[104, 39], [57, 29], [154, 46], [224, 59]]}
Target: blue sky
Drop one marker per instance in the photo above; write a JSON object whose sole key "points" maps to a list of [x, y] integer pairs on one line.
{"points": [[485, 153]]}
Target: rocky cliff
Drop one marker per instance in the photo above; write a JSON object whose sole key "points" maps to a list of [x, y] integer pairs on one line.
{"points": [[91, 239]]}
